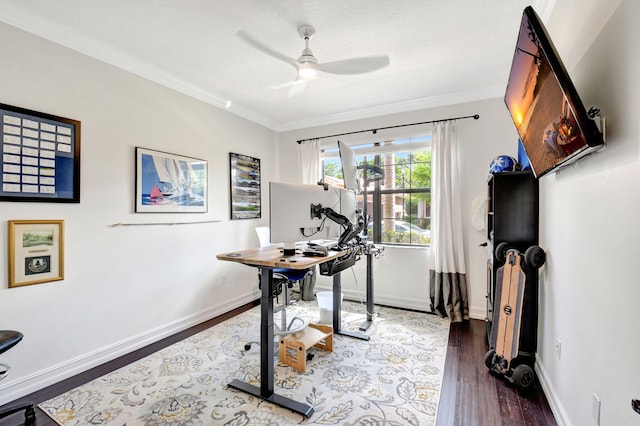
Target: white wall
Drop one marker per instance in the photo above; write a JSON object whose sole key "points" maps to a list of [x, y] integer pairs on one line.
{"points": [[590, 292], [401, 275], [124, 286]]}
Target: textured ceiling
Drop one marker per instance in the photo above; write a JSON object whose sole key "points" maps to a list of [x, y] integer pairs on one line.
{"points": [[441, 51]]}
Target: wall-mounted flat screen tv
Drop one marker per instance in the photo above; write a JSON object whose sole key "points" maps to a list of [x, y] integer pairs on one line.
{"points": [[552, 122]]}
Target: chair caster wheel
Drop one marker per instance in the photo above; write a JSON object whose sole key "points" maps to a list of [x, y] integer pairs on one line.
{"points": [[247, 346]]}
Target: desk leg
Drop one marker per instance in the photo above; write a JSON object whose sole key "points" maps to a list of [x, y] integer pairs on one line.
{"points": [[337, 311], [366, 324], [266, 333], [266, 354]]}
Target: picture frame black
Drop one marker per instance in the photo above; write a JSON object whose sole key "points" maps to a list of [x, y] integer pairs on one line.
{"points": [[244, 187], [40, 156]]}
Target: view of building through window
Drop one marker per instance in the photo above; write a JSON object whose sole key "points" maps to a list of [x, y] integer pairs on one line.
{"points": [[398, 199]]}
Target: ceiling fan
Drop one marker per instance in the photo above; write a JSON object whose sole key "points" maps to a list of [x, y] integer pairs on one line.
{"points": [[307, 65]]}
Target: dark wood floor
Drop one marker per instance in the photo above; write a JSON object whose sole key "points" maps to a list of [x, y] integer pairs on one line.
{"points": [[470, 394]]}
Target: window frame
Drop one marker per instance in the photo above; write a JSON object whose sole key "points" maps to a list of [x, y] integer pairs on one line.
{"points": [[373, 152]]}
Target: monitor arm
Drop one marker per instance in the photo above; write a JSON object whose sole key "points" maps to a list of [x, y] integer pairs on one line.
{"points": [[349, 232]]}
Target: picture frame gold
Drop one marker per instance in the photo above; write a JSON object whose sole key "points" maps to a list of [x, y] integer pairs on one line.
{"points": [[36, 251]]}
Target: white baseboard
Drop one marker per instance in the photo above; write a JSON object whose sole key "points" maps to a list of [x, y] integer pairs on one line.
{"points": [[402, 302], [392, 301], [557, 408], [13, 390], [478, 313]]}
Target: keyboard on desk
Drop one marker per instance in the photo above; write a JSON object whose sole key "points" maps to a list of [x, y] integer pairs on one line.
{"points": [[322, 244], [315, 253]]}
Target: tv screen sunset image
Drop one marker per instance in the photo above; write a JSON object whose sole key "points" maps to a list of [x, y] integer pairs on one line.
{"points": [[540, 109]]}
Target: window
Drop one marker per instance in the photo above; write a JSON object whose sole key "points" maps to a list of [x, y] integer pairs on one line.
{"points": [[398, 200]]}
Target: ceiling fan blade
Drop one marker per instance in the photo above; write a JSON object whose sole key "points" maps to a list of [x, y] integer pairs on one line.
{"points": [[355, 66], [265, 49], [297, 88], [287, 85]]}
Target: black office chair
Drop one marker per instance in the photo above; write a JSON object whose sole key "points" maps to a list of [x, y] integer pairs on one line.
{"points": [[8, 339], [283, 281], [287, 278]]}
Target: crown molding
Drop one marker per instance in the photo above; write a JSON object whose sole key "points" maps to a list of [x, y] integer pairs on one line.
{"points": [[16, 16], [398, 107], [21, 18]]}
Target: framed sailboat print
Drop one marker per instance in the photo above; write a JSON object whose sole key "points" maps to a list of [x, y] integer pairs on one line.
{"points": [[245, 186], [170, 183]]}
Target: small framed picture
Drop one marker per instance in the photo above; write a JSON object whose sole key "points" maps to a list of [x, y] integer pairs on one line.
{"points": [[245, 186], [170, 183], [36, 251]]}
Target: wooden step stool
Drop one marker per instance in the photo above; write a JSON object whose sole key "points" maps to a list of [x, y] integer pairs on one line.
{"points": [[293, 348]]}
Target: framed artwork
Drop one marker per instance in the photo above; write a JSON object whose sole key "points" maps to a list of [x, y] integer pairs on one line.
{"points": [[36, 251], [40, 156], [245, 186], [170, 183]]}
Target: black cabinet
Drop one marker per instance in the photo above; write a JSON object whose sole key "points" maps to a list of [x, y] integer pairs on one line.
{"points": [[513, 219]]}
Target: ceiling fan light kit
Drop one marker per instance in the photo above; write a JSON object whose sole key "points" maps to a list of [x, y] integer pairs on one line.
{"points": [[307, 63], [306, 70]]}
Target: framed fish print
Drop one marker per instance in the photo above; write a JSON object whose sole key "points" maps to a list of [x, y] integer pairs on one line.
{"points": [[245, 186], [170, 183], [36, 251]]}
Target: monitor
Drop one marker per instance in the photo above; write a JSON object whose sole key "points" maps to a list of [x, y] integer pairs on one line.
{"points": [[349, 167], [551, 120], [348, 205], [290, 215]]}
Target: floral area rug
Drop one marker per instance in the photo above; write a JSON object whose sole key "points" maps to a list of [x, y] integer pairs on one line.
{"points": [[393, 379]]}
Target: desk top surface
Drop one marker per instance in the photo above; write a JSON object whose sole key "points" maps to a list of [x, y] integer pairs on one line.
{"points": [[272, 257]]}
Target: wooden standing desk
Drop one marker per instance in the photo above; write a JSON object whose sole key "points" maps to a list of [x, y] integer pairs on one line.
{"points": [[266, 259]]}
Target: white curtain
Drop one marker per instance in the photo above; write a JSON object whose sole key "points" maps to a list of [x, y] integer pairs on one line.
{"points": [[309, 166], [448, 283], [309, 161]]}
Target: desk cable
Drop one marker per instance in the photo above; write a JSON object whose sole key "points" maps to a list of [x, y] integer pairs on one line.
{"points": [[373, 314]]}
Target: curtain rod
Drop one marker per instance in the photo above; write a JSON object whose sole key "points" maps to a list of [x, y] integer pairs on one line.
{"points": [[374, 131]]}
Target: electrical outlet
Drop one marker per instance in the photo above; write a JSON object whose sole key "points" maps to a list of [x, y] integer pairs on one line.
{"points": [[595, 408], [558, 349]]}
